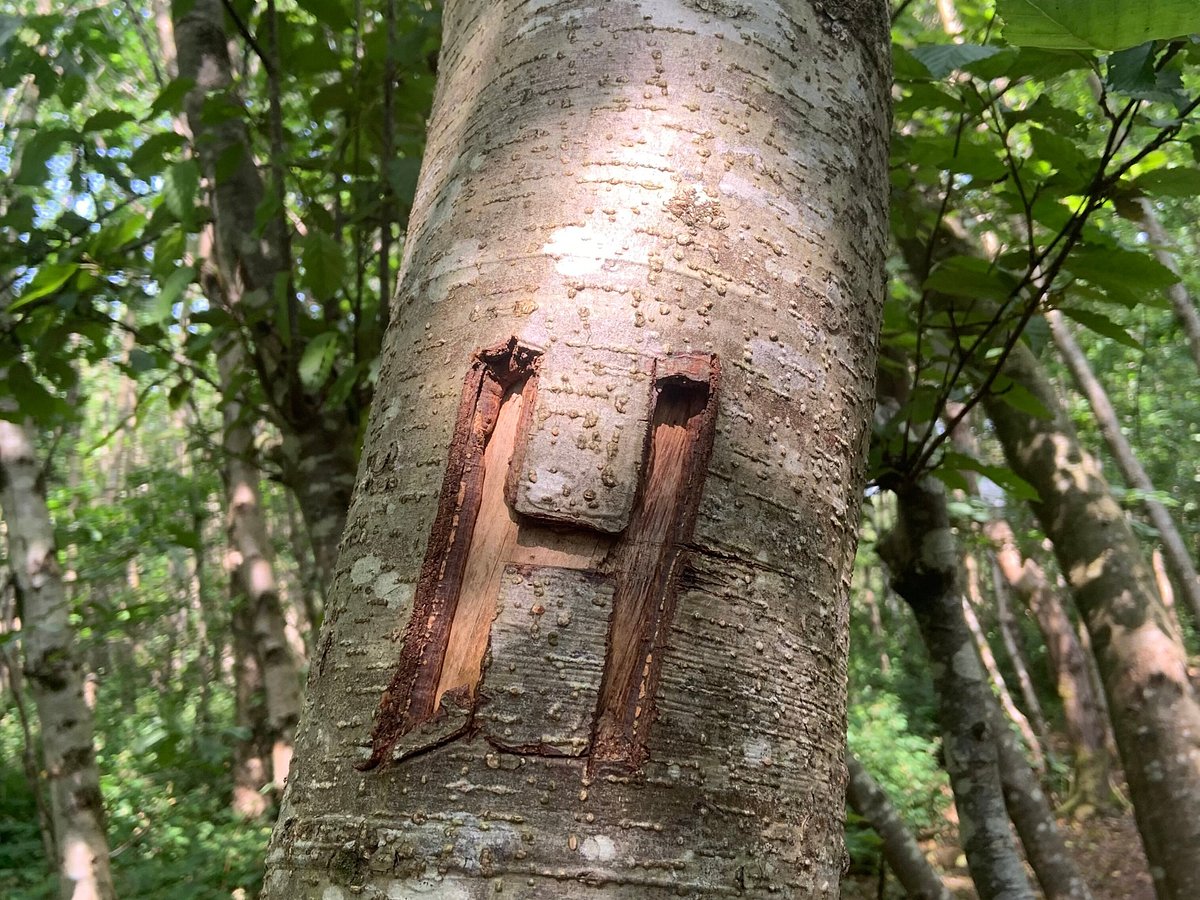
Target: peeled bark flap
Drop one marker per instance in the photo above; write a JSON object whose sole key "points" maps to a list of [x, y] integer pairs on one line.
{"points": [[582, 460], [540, 688]]}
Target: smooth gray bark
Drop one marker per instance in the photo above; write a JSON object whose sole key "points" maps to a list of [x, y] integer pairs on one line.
{"points": [[922, 554], [1154, 709], [610, 184], [900, 849]]}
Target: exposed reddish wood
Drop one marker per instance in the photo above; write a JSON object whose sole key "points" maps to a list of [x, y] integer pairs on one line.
{"points": [[647, 560], [491, 544], [477, 535], [412, 696]]}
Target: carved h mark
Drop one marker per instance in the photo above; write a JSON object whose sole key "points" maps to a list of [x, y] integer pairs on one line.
{"points": [[479, 538]]}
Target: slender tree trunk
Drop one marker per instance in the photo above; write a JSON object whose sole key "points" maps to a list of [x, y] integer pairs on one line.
{"points": [[1135, 476], [1155, 712], [1031, 813], [621, 267], [55, 675], [900, 849], [1011, 710], [922, 554], [318, 465], [312, 590], [1166, 590], [876, 619], [319, 457], [252, 751], [252, 569], [13, 681], [1014, 647], [1182, 301], [1083, 712]]}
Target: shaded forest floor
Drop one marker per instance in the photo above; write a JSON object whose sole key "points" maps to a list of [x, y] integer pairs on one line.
{"points": [[1107, 849]]}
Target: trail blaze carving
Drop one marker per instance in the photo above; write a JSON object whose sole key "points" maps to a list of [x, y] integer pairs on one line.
{"points": [[549, 582]]}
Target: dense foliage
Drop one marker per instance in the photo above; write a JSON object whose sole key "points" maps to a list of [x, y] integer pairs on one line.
{"points": [[1044, 145]]}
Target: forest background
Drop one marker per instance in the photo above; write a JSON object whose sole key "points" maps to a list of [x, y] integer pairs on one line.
{"points": [[196, 448]]}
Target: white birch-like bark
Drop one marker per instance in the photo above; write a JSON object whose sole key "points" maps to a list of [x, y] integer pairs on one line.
{"points": [[54, 673], [625, 181]]}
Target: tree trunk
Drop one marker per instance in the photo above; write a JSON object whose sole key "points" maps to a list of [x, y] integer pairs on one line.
{"points": [[645, 249], [1031, 813], [1083, 713], [900, 849], [988, 658], [55, 675], [1182, 302], [318, 465], [252, 569], [1132, 472], [319, 442], [922, 554], [1154, 710], [252, 750], [1014, 646]]}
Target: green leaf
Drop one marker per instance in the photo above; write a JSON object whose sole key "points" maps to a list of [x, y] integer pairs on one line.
{"points": [[140, 361], [968, 276], [1096, 24], [1020, 398], [170, 98], [1101, 324], [148, 158], [107, 119], [328, 12], [1001, 475], [1131, 71], [1180, 181], [1117, 267], [181, 183], [317, 359], [161, 304], [942, 59], [37, 153], [402, 176], [49, 278], [324, 264]]}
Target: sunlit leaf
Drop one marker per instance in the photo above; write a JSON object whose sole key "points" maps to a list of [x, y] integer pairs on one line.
{"points": [[317, 359], [1098, 24], [1101, 324]]}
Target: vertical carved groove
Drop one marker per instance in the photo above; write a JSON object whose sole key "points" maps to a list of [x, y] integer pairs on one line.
{"points": [[647, 561]]}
